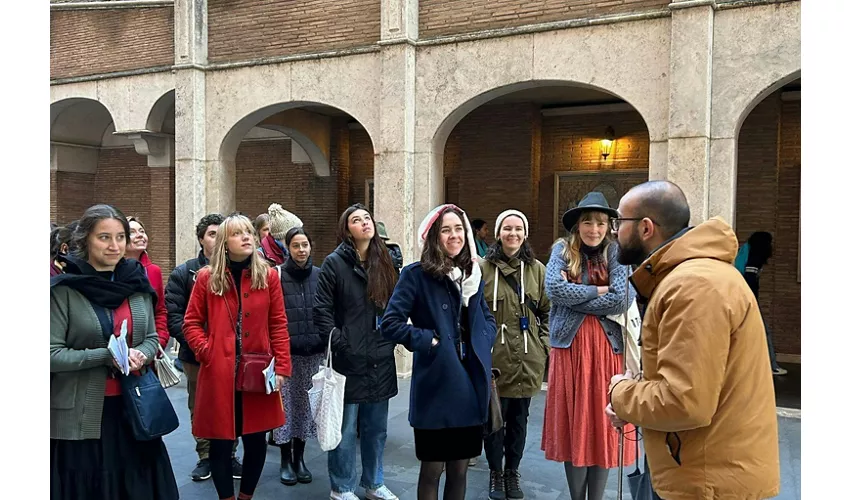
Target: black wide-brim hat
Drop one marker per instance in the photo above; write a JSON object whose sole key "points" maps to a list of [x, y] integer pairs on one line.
{"points": [[592, 201]]}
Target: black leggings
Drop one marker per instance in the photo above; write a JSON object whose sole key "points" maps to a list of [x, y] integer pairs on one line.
{"points": [[221, 463], [429, 480], [253, 459]]}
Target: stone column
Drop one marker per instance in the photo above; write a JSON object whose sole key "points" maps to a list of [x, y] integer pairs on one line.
{"points": [[191, 158], [691, 41], [159, 150], [394, 159]]}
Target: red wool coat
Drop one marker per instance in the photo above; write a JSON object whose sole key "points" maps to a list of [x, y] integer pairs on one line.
{"points": [[160, 314], [211, 334]]}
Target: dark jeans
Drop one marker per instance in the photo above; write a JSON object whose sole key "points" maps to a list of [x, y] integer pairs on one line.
{"points": [[770, 350], [509, 442]]}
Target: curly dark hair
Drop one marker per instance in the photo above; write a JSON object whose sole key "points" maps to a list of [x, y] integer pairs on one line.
{"points": [[435, 261], [207, 221]]}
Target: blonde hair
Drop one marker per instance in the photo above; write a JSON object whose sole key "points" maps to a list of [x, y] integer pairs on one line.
{"points": [[572, 243], [219, 282]]}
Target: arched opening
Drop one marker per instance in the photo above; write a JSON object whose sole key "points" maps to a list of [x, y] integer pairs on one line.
{"points": [[89, 164], [312, 159], [539, 147], [768, 199]]}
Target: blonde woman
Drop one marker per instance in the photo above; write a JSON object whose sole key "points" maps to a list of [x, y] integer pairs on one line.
{"points": [[585, 283], [236, 308]]}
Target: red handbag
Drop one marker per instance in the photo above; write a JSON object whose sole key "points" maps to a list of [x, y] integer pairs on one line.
{"points": [[249, 376]]}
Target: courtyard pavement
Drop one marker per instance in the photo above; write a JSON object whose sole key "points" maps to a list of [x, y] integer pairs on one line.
{"points": [[541, 479]]}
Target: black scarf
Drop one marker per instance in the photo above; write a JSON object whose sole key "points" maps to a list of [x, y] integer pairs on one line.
{"points": [[297, 272], [128, 278]]}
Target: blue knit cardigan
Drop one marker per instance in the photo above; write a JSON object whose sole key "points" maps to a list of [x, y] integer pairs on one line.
{"points": [[571, 302]]}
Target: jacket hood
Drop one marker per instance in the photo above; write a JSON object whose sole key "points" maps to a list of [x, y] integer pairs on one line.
{"points": [[713, 239], [348, 253]]}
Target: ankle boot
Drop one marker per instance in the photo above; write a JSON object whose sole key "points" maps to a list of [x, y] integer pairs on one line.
{"points": [[287, 474], [301, 472], [497, 485]]}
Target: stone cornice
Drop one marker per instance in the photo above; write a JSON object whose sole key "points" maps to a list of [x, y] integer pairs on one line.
{"points": [[134, 4]]}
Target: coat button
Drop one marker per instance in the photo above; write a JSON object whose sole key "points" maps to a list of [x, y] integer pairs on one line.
{"points": [[246, 334], [245, 295], [247, 314], [374, 366], [445, 306]]}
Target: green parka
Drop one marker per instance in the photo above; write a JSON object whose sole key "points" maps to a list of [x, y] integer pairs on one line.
{"points": [[521, 358]]}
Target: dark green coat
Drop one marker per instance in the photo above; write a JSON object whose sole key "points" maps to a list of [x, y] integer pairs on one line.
{"points": [[522, 372]]}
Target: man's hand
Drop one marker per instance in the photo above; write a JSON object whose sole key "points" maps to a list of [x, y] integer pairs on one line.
{"points": [[613, 418], [278, 382], [619, 378]]}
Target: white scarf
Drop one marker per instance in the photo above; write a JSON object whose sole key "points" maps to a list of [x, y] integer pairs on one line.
{"points": [[470, 284]]}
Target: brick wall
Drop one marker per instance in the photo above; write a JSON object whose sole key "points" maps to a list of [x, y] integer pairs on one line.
{"points": [[445, 17], [768, 199], [511, 154], [71, 193], [87, 42], [490, 164], [249, 29], [572, 144], [362, 156]]}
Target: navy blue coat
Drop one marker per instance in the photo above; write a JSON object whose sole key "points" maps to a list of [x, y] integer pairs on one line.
{"points": [[443, 393]]}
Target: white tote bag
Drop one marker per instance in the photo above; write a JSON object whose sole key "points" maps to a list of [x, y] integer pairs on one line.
{"points": [[327, 398], [631, 336]]}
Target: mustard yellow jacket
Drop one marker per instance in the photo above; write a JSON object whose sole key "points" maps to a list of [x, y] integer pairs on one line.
{"points": [[706, 401]]}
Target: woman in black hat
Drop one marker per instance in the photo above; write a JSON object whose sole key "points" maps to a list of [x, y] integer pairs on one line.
{"points": [[585, 283]]}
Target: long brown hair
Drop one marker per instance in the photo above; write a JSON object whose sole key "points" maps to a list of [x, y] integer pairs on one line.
{"points": [[572, 243], [379, 267], [219, 284], [435, 261]]}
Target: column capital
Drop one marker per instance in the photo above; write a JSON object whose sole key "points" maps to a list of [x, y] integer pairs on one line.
{"points": [[158, 147]]}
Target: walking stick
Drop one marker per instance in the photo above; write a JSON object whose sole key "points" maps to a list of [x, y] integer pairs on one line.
{"points": [[621, 445]]}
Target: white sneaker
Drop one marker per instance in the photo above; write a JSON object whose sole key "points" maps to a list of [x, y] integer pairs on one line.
{"points": [[348, 495], [780, 371], [382, 493]]}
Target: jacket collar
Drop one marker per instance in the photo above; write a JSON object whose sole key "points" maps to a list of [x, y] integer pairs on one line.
{"points": [[713, 239]]}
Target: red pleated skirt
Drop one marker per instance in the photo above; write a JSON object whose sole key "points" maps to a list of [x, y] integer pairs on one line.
{"points": [[575, 428]]}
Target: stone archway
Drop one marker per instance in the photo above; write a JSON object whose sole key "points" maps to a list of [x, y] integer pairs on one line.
{"points": [[538, 148]]}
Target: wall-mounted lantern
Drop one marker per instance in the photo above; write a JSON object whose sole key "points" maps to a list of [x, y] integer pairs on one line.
{"points": [[607, 142]]}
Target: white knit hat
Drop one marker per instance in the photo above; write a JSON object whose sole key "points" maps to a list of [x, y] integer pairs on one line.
{"points": [[281, 221], [507, 213]]}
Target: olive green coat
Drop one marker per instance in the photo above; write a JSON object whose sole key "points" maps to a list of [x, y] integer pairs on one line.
{"points": [[522, 372]]}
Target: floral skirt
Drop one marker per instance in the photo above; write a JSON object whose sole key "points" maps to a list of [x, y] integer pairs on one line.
{"points": [[299, 422]]}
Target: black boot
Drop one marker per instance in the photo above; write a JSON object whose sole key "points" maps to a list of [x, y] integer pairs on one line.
{"points": [[497, 485], [301, 472], [287, 475], [512, 489]]}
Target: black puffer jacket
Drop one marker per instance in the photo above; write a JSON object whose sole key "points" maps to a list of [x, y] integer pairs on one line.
{"points": [[177, 293], [359, 350], [299, 294]]}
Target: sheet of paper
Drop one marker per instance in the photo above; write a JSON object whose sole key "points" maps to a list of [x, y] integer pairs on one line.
{"points": [[269, 374], [119, 349]]}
